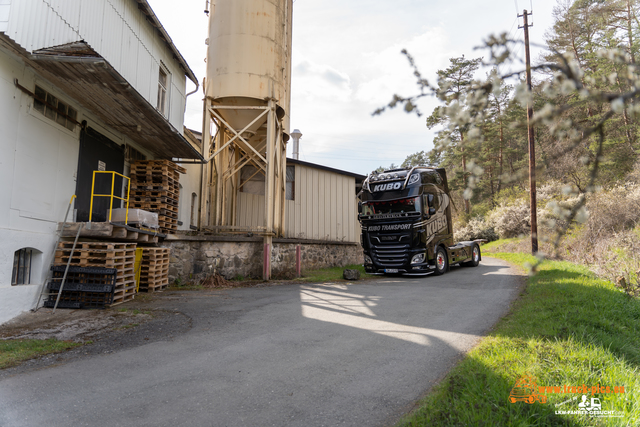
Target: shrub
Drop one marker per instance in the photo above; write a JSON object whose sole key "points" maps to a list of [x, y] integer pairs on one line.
{"points": [[612, 211], [476, 228], [554, 216], [511, 219]]}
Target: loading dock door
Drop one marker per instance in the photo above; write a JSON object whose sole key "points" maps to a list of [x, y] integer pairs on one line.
{"points": [[97, 152]]}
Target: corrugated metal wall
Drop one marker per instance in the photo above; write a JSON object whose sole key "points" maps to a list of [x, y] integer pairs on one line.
{"points": [[116, 29], [38, 24], [5, 8], [325, 207]]}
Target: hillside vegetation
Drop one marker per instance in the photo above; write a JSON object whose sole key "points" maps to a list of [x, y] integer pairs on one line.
{"points": [[606, 239]]}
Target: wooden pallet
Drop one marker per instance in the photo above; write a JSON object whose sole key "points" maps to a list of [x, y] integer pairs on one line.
{"points": [[153, 197], [94, 262], [163, 260], [169, 214], [154, 269], [167, 190], [157, 180], [103, 254], [154, 288], [158, 164], [149, 167], [153, 206], [97, 245], [155, 188]]}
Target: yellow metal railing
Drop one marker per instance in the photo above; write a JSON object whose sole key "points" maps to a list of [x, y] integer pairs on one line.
{"points": [[137, 267], [112, 195]]}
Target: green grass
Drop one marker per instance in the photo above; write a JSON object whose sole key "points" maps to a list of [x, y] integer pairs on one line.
{"points": [[568, 328], [12, 352], [330, 274], [495, 245]]}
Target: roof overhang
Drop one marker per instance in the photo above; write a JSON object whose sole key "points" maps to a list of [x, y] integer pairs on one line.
{"points": [[92, 82], [358, 177]]}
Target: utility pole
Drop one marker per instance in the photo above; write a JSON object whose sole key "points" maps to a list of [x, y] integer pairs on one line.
{"points": [[532, 149]]}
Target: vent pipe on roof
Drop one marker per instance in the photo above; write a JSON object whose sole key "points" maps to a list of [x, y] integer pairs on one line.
{"points": [[296, 135]]}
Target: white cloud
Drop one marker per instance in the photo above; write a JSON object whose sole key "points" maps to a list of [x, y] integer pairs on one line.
{"points": [[388, 71], [314, 82]]}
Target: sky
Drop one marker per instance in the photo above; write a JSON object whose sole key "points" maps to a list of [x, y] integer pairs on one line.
{"points": [[347, 62]]}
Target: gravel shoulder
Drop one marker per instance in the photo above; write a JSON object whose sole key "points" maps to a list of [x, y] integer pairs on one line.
{"points": [[134, 323]]}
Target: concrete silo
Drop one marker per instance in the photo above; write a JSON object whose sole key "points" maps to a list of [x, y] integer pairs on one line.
{"points": [[247, 90]]}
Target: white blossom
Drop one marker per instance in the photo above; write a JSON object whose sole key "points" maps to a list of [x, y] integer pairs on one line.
{"points": [[617, 105]]}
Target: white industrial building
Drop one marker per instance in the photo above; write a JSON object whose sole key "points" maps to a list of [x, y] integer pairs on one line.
{"points": [[84, 85]]}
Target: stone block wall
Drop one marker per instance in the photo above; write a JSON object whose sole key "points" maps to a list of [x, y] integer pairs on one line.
{"points": [[194, 257]]}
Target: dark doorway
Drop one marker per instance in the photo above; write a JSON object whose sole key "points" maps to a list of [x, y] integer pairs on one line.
{"points": [[97, 152]]}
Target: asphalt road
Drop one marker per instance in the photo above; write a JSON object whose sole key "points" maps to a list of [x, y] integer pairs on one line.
{"points": [[293, 355]]}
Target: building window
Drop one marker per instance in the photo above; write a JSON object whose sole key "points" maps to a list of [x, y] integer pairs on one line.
{"points": [[194, 210], [162, 92], [291, 183], [54, 109], [22, 267]]}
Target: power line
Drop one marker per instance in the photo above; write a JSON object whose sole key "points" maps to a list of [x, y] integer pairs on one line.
{"points": [[510, 37]]}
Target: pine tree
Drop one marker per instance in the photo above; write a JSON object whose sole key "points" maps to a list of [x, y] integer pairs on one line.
{"points": [[453, 83]]}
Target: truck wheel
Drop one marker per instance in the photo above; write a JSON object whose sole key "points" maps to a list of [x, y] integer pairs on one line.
{"points": [[442, 261], [475, 257]]}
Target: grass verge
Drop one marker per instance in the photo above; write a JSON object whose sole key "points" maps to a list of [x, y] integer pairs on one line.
{"points": [[568, 328], [331, 274], [13, 352]]}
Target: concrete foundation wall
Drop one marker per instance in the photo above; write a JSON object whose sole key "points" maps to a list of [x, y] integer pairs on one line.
{"points": [[194, 258]]}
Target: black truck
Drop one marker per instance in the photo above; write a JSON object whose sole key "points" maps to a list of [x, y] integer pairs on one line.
{"points": [[405, 215]]}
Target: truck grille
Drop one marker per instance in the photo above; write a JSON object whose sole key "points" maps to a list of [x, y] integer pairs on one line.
{"points": [[390, 256]]}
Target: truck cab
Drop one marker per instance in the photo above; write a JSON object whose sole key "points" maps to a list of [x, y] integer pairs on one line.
{"points": [[405, 216]]}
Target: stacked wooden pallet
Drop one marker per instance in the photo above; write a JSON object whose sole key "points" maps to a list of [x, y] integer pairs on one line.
{"points": [[120, 256], [154, 274], [155, 187]]}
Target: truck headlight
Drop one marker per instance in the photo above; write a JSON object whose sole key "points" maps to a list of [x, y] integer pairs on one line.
{"points": [[367, 259], [418, 258]]}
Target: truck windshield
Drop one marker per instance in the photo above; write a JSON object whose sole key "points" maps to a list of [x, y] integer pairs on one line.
{"points": [[411, 204]]}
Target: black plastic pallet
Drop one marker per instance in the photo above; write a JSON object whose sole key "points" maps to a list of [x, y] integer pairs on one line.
{"points": [[84, 287], [63, 304], [81, 287], [90, 270]]}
